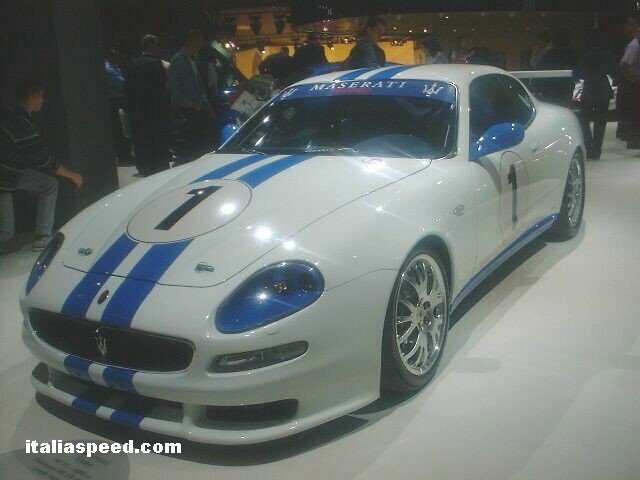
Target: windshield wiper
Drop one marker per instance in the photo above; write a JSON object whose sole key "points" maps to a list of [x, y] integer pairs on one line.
{"points": [[252, 150], [334, 149]]}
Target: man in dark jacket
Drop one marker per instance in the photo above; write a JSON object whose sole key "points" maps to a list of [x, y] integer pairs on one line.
{"points": [[595, 66], [366, 52], [149, 107], [309, 54], [559, 57], [279, 65], [26, 164]]}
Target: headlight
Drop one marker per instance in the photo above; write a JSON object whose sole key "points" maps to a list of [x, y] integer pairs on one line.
{"points": [[272, 293], [44, 260]]}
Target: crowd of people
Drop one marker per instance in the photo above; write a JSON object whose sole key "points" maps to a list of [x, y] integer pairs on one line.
{"points": [[182, 97]]}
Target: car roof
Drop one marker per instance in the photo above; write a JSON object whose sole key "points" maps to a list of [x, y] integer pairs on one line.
{"points": [[457, 74]]}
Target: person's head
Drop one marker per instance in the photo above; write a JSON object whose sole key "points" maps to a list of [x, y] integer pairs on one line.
{"points": [[150, 44], [193, 41], [30, 92], [374, 29], [312, 37], [631, 26], [284, 50], [562, 38], [431, 46]]}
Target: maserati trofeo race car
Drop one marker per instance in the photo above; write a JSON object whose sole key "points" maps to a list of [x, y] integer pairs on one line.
{"points": [[311, 263]]}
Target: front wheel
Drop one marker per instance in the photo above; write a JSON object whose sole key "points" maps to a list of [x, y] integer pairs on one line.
{"points": [[570, 218], [417, 323]]}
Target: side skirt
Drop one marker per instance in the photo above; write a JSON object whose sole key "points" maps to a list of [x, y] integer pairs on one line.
{"points": [[532, 233]]}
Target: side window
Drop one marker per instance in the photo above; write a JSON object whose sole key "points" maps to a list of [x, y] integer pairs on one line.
{"points": [[523, 108], [488, 104], [497, 99]]}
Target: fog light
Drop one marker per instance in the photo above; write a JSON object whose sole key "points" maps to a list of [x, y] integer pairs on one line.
{"points": [[237, 362]]}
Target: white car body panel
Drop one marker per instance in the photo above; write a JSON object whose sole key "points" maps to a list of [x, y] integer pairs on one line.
{"points": [[355, 218]]}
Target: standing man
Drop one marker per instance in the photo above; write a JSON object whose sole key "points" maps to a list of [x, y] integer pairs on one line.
{"points": [[460, 54], [146, 92], [560, 57], [310, 54], [622, 105], [366, 52], [279, 65], [115, 79], [26, 164], [596, 66], [189, 96], [630, 69]]}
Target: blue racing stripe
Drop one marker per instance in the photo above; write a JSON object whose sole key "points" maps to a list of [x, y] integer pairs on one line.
{"points": [[389, 72], [125, 418], [80, 298], [120, 378], [355, 73], [232, 167], [260, 174], [143, 277], [78, 367], [85, 406]]}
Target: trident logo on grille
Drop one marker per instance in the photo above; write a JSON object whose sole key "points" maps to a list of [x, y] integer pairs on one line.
{"points": [[101, 342]]}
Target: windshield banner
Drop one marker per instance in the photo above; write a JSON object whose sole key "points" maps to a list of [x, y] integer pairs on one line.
{"points": [[442, 91]]}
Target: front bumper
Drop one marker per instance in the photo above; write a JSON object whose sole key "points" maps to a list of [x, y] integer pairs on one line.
{"points": [[339, 373]]}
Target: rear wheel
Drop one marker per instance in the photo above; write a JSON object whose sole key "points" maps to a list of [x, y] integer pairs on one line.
{"points": [[417, 323], [570, 218]]}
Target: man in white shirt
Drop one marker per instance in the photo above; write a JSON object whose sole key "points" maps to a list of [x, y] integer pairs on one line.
{"points": [[630, 68]]}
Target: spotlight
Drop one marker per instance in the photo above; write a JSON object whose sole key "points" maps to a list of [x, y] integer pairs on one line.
{"points": [[255, 24], [261, 49], [279, 24]]}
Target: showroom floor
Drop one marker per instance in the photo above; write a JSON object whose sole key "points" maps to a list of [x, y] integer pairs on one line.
{"points": [[540, 378]]}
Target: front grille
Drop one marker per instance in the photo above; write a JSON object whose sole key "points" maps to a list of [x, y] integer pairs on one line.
{"points": [[121, 347]]}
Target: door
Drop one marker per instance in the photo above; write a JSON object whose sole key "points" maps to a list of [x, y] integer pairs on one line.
{"points": [[501, 178]]}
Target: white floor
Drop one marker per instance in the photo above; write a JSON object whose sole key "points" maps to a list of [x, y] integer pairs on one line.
{"points": [[540, 380]]}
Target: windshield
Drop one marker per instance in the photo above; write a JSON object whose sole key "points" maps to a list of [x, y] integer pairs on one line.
{"points": [[411, 118]]}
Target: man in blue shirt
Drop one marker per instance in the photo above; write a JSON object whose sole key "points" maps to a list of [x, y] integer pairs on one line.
{"points": [[189, 96]]}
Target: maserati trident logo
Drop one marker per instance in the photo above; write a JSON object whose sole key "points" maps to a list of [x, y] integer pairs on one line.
{"points": [[288, 93], [432, 90], [101, 342]]}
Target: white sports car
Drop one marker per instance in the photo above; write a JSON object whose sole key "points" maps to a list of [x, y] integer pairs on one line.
{"points": [[308, 265]]}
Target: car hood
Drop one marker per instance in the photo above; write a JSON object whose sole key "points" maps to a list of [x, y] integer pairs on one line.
{"points": [[222, 212]]}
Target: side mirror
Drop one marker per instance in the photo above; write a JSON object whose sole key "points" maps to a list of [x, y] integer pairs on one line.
{"points": [[498, 137], [228, 131]]}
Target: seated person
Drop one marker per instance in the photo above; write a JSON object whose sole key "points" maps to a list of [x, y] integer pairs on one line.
{"points": [[26, 164]]}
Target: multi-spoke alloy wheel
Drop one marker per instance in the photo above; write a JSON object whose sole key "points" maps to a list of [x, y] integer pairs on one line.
{"points": [[568, 222], [417, 323], [574, 192]]}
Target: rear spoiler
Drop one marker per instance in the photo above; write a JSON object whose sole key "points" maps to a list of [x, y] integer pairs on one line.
{"points": [[526, 74]]}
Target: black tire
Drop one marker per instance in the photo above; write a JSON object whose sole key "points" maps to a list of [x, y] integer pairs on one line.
{"points": [[395, 376], [564, 228]]}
